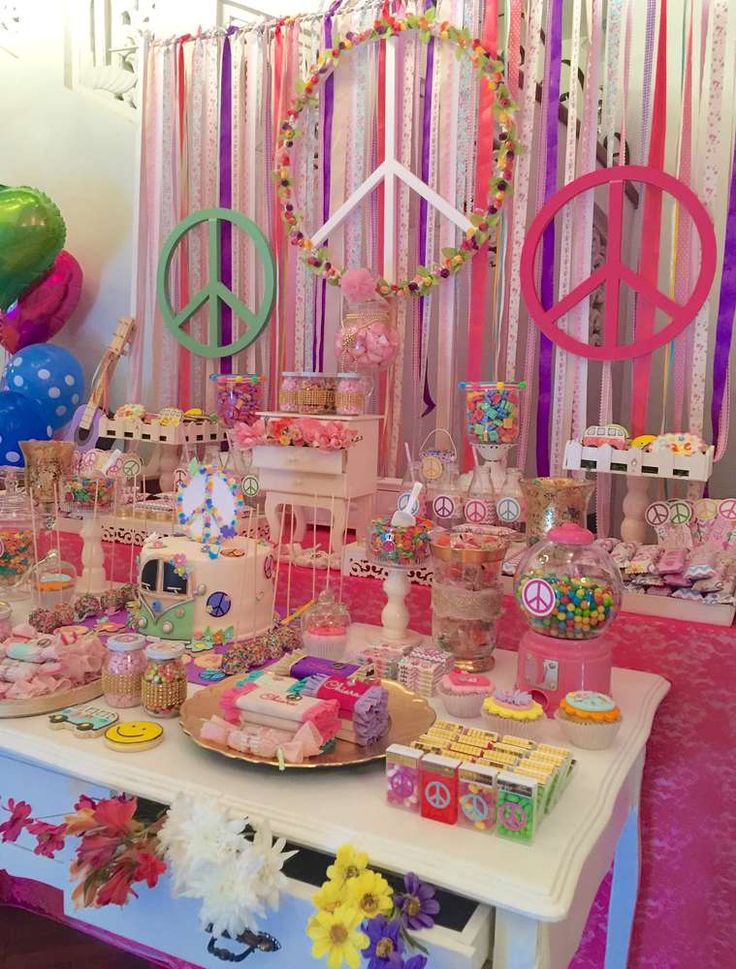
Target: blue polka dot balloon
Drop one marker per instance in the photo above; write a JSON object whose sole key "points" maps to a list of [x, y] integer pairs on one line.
{"points": [[49, 375], [20, 420]]}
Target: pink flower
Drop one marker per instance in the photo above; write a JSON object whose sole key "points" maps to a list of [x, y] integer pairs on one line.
{"points": [[247, 436], [358, 285], [49, 838], [11, 829], [116, 814]]}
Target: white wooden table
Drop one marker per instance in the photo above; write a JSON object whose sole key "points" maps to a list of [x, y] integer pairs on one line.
{"points": [[541, 893]]}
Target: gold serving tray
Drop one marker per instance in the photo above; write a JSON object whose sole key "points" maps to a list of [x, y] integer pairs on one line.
{"points": [[410, 715], [51, 702]]}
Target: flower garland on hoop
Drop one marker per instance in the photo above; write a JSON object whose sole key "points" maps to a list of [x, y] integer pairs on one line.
{"points": [[487, 67]]}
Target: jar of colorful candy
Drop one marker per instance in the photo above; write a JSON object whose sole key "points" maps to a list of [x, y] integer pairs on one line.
{"points": [[317, 393], [238, 397], [164, 686], [83, 493], [466, 592], [350, 394], [492, 411], [567, 586], [289, 392], [552, 501], [122, 669], [16, 539]]}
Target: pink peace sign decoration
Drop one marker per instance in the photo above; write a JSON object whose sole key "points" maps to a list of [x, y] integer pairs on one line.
{"points": [[614, 272], [727, 509], [538, 597]]}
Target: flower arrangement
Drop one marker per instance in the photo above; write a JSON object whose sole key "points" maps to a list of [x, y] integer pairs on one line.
{"points": [[488, 68], [296, 432], [360, 917], [232, 865]]}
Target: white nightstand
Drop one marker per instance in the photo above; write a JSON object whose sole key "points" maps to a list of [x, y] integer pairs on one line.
{"points": [[335, 480]]}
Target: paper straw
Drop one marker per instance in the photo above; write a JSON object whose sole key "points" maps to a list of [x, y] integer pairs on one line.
{"points": [[329, 546], [278, 560], [409, 461], [34, 571], [342, 558], [132, 529], [255, 570], [57, 529], [94, 529]]}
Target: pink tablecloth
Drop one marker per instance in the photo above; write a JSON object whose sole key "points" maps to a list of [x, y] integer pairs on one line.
{"points": [[687, 900]]}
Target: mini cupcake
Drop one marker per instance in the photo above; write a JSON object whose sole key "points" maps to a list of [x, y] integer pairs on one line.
{"points": [[589, 720], [463, 693], [513, 712]]}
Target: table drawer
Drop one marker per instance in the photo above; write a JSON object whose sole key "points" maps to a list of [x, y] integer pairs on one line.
{"points": [[299, 459], [171, 925]]}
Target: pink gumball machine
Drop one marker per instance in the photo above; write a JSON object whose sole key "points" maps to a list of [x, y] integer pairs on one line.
{"points": [[569, 592]]}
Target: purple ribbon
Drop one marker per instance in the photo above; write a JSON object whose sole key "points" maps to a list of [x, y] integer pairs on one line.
{"points": [[318, 347], [547, 281], [429, 404], [226, 195], [726, 310]]}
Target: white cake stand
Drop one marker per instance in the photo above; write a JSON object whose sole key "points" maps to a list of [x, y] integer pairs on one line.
{"points": [[395, 615]]}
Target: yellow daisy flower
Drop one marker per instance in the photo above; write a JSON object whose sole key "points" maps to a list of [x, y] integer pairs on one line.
{"points": [[329, 896], [349, 863], [335, 935], [371, 894]]}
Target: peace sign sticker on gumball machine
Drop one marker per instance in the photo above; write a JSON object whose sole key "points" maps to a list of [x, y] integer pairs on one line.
{"points": [[568, 590]]}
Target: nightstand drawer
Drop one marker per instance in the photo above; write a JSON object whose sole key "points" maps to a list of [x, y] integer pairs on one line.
{"points": [[299, 459], [304, 484]]}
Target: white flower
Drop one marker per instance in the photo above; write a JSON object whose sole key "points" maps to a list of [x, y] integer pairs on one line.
{"points": [[198, 834], [270, 878], [229, 900]]}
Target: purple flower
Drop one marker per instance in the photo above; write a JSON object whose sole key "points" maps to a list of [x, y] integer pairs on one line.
{"points": [[417, 905], [384, 945], [415, 962]]}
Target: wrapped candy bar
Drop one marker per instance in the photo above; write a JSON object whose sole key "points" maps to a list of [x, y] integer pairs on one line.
{"points": [[622, 553], [702, 564], [672, 560], [643, 560], [253, 703], [363, 707], [300, 665]]}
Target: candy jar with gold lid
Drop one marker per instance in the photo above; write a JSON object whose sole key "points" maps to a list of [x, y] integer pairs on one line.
{"points": [[164, 687], [569, 591]]}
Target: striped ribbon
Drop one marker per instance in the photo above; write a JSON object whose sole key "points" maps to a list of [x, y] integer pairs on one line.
{"points": [[185, 370], [226, 195]]}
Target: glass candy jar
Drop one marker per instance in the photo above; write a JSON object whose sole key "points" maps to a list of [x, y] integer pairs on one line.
{"points": [[238, 397], [289, 392], [325, 627], [122, 669], [6, 624], [16, 539], [350, 394], [317, 393], [446, 497], [566, 586], [466, 593], [164, 686], [552, 501]]}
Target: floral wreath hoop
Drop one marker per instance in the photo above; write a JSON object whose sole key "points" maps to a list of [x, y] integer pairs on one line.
{"points": [[483, 222]]}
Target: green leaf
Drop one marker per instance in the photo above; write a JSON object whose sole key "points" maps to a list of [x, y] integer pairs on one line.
{"points": [[193, 467], [423, 271], [424, 36], [448, 252]]}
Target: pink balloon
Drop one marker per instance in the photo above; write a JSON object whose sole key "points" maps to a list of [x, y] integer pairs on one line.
{"points": [[40, 312]]}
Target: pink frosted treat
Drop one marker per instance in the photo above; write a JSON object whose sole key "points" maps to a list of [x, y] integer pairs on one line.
{"points": [[463, 693]]}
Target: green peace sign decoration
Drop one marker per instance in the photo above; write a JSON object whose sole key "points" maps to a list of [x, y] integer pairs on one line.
{"points": [[214, 291]]}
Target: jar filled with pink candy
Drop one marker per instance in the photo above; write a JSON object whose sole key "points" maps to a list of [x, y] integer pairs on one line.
{"points": [[122, 670], [238, 397]]}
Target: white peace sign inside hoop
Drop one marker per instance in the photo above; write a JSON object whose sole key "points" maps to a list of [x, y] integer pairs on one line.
{"points": [[250, 486], [657, 514], [508, 509], [681, 512], [727, 509], [538, 597]]}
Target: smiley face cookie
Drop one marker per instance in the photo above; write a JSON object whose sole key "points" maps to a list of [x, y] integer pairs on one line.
{"points": [[134, 736]]}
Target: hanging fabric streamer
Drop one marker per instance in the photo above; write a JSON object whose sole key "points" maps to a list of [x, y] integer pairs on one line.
{"points": [[547, 282], [725, 323], [562, 403], [651, 232], [708, 193], [226, 195], [185, 389]]}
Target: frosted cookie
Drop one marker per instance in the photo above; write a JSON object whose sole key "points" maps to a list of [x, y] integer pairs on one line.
{"points": [[134, 736]]}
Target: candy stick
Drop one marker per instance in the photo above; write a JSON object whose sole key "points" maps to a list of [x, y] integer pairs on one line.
{"points": [[254, 539], [34, 571], [290, 566], [278, 560], [314, 549], [329, 545], [115, 490], [344, 543], [58, 530], [132, 530], [409, 461], [94, 527]]}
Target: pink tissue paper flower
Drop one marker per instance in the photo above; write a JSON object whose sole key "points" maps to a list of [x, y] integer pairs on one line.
{"points": [[358, 286], [247, 436]]}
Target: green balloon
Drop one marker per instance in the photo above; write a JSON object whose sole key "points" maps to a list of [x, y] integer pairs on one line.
{"points": [[32, 233]]}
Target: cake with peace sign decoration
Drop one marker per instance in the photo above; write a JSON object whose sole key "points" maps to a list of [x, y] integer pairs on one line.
{"points": [[210, 585]]}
